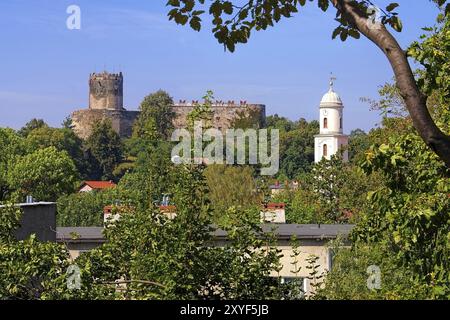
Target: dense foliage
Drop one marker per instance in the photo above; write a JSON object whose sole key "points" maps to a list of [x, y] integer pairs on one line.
{"points": [[104, 151], [44, 174], [84, 209], [408, 216]]}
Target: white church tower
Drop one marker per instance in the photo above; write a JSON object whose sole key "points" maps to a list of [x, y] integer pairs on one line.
{"points": [[331, 137]]}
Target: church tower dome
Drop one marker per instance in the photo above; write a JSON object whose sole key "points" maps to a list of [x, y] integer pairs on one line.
{"points": [[331, 112], [331, 137], [331, 98]]}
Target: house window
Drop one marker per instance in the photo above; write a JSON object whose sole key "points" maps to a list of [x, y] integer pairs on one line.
{"points": [[325, 123], [325, 150]]}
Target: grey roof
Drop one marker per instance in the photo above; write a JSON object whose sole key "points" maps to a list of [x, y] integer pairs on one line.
{"points": [[302, 231], [33, 204], [283, 232], [79, 234]]}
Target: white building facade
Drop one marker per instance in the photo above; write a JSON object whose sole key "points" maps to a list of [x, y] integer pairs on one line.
{"points": [[331, 138]]}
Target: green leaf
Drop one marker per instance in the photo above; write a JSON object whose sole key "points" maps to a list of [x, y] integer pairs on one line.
{"points": [[336, 32], [195, 23], [396, 24], [344, 34], [392, 6], [354, 33]]}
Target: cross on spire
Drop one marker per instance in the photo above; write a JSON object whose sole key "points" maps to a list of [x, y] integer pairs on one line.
{"points": [[332, 79]]}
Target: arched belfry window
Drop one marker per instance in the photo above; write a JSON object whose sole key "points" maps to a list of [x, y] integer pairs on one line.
{"points": [[325, 123], [325, 150], [340, 122]]}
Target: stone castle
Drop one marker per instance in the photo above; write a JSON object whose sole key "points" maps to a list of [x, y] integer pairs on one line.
{"points": [[106, 102]]}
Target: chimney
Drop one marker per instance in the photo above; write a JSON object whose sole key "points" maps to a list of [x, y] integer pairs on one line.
{"points": [[273, 213]]}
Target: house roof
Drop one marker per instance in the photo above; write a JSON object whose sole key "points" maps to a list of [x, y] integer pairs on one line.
{"points": [[79, 234], [169, 208], [99, 184], [283, 232], [33, 204], [272, 205]]}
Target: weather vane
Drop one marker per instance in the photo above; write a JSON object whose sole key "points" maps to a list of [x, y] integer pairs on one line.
{"points": [[332, 79]]}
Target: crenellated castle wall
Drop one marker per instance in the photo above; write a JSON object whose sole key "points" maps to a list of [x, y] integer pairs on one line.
{"points": [[106, 102], [224, 114]]}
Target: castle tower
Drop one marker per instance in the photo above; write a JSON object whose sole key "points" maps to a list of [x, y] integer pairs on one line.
{"points": [[106, 91], [331, 137]]}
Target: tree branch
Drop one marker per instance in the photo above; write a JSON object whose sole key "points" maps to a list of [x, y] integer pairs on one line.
{"points": [[133, 281], [415, 101]]}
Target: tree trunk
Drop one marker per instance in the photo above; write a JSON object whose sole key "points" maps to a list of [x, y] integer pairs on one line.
{"points": [[415, 101]]}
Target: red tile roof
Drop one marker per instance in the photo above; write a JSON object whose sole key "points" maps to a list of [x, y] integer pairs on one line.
{"points": [[169, 208], [272, 206], [118, 208], [99, 184]]}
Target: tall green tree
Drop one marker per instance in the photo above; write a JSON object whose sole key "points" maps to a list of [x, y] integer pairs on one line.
{"points": [[85, 209], [202, 112], [358, 144], [45, 174], [231, 186], [104, 151], [280, 123], [32, 125], [156, 118], [151, 177], [12, 145], [297, 148], [410, 213], [62, 139]]}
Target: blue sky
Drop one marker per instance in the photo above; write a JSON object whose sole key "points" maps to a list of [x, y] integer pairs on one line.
{"points": [[44, 67]]}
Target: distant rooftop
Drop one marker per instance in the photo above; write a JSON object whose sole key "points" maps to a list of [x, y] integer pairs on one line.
{"points": [[32, 204], [283, 232], [79, 234], [99, 184]]}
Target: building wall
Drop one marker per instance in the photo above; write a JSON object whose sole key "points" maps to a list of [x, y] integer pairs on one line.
{"points": [[77, 248], [38, 219], [334, 144], [333, 116], [86, 188], [122, 121], [223, 116]]}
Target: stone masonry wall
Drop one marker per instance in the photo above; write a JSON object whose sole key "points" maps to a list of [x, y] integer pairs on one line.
{"points": [[223, 114], [122, 120]]}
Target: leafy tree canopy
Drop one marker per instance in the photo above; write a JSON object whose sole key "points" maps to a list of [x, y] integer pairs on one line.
{"points": [[156, 118], [31, 125], [104, 151], [45, 174]]}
